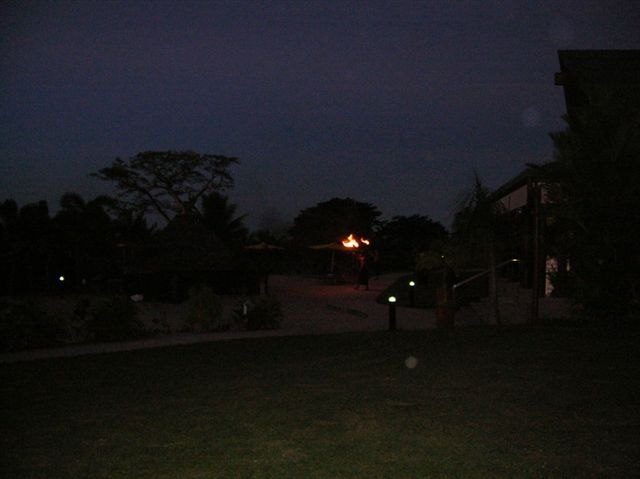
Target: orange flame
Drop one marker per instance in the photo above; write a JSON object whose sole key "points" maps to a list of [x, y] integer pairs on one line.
{"points": [[351, 242]]}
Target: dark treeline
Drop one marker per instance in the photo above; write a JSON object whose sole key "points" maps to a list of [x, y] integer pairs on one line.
{"points": [[83, 246], [97, 246]]}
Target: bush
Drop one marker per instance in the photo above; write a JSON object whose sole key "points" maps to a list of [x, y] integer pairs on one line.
{"points": [[78, 324], [205, 311], [264, 313], [115, 320], [24, 325]]}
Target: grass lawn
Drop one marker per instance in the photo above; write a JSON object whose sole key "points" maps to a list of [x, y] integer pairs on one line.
{"points": [[547, 401]]}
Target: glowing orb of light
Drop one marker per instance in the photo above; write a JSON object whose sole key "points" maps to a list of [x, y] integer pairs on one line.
{"points": [[411, 362]]}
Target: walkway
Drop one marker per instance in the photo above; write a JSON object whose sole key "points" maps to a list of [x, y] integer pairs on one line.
{"points": [[309, 307]]}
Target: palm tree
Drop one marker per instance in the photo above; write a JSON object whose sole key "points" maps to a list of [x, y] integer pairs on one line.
{"points": [[594, 184], [34, 244], [219, 216], [85, 235], [475, 227]]}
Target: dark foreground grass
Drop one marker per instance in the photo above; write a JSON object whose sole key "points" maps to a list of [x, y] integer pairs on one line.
{"points": [[546, 401]]}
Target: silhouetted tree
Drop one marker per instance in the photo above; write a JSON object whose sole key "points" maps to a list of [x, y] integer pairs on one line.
{"points": [[34, 246], [132, 237], [85, 239], [475, 230], [25, 242], [132, 227], [220, 217], [594, 186], [168, 182], [334, 219], [403, 237], [9, 237]]}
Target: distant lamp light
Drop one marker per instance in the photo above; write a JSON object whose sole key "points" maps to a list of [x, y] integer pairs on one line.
{"points": [[412, 293], [61, 279], [392, 313]]}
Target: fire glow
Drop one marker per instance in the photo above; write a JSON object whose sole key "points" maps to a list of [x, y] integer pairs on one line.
{"points": [[351, 242]]}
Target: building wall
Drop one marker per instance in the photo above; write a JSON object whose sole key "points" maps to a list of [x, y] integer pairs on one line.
{"points": [[516, 199]]}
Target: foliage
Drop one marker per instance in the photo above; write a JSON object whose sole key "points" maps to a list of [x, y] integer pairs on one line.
{"points": [[25, 325], [423, 292], [594, 185], [131, 227], [475, 233], [219, 217], [205, 311], [403, 238], [115, 319], [441, 254], [83, 232], [168, 182], [78, 326], [82, 242], [475, 225], [34, 245], [274, 238], [332, 220], [264, 312], [89, 242]]}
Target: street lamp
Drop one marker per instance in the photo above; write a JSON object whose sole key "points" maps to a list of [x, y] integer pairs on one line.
{"points": [[392, 313], [412, 293]]}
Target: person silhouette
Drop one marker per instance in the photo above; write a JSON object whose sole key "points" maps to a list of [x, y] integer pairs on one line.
{"points": [[363, 272]]}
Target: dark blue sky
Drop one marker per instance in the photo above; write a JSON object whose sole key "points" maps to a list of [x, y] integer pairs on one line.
{"points": [[389, 102]]}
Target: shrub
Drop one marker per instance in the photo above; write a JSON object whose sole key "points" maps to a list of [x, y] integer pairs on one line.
{"points": [[115, 320], [24, 325], [205, 311], [264, 313], [78, 323]]}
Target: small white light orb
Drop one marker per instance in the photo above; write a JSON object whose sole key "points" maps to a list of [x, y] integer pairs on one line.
{"points": [[411, 362], [61, 279], [392, 299], [412, 283]]}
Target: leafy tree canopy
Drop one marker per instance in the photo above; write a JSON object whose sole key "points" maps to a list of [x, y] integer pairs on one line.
{"points": [[403, 237], [83, 225], [168, 182], [475, 224], [220, 217], [334, 219], [34, 220], [8, 214], [594, 184]]}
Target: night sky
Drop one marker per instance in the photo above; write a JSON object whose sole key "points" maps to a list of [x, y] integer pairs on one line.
{"points": [[389, 102]]}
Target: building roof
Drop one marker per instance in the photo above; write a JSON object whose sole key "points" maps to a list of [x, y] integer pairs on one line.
{"points": [[531, 173], [582, 71]]}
